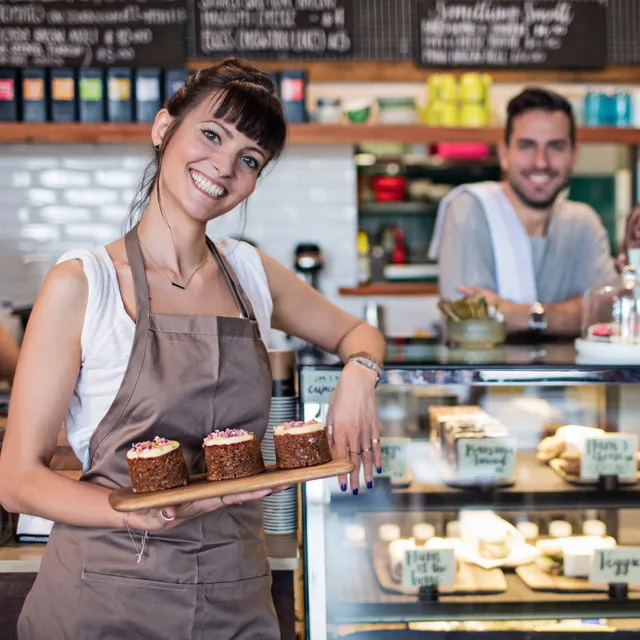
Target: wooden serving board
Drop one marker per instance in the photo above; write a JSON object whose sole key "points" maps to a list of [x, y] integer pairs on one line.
{"points": [[199, 488], [539, 580], [470, 578], [556, 465]]}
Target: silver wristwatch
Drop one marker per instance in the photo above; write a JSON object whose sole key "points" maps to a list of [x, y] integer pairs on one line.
{"points": [[368, 361], [537, 318]]}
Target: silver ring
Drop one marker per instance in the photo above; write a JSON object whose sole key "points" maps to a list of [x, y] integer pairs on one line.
{"points": [[375, 440], [357, 453], [366, 451], [165, 517]]}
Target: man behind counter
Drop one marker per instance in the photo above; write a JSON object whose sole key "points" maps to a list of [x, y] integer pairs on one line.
{"points": [[518, 241]]}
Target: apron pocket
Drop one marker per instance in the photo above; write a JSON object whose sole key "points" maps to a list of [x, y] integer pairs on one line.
{"points": [[113, 608], [240, 610]]}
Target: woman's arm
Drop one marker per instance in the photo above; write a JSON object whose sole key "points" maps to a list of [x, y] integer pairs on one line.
{"points": [[45, 379], [46, 376], [352, 422], [9, 351]]}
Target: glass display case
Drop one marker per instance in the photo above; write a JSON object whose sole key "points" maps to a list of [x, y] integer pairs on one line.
{"points": [[508, 503]]}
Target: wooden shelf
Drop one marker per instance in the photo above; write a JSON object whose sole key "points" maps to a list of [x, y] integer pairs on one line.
{"points": [[308, 133], [392, 289], [408, 71]]}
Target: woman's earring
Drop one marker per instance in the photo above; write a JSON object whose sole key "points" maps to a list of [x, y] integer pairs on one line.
{"points": [[156, 147]]}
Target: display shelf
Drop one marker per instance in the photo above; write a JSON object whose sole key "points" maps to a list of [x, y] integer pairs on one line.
{"points": [[299, 133], [537, 487], [356, 597], [397, 208]]}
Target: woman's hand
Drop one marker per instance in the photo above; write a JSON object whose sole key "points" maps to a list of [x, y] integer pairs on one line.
{"points": [[352, 423], [155, 520]]}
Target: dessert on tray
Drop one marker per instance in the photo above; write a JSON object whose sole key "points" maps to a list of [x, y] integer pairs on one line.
{"points": [[301, 444], [156, 464], [232, 453], [572, 556], [567, 444]]}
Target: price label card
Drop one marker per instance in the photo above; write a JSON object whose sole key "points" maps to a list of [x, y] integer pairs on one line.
{"points": [[486, 459], [610, 455], [429, 568], [394, 458], [616, 566], [319, 385]]}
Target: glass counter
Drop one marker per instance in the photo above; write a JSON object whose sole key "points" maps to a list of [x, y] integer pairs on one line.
{"points": [[510, 476]]}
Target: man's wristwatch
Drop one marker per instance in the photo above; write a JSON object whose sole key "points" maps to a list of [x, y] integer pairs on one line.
{"points": [[367, 360], [537, 318]]}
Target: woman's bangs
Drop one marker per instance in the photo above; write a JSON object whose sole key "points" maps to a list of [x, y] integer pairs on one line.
{"points": [[255, 113]]}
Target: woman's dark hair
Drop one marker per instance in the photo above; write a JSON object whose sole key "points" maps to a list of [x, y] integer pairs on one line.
{"points": [[536, 98], [245, 97]]}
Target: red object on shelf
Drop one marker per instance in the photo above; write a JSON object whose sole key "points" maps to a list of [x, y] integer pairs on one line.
{"points": [[389, 188], [399, 255], [463, 150]]}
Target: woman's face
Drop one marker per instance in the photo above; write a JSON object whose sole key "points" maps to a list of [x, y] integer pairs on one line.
{"points": [[209, 167]]}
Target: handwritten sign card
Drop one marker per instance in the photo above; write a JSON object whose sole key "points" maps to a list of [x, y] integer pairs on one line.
{"points": [[317, 386], [486, 459], [429, 568], [611, 455], [394, 458], [616, 566]]}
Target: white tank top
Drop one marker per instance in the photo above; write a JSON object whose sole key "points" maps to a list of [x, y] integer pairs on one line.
{"points": [[107, 334]]}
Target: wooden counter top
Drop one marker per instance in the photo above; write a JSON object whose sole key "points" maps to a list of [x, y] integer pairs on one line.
{"points": [[25, 558]]}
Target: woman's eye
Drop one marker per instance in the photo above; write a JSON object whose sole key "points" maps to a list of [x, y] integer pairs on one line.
{"points": [[212, 135], [250, 162]]}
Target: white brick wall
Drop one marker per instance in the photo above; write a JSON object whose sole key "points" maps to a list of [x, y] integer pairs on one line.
{"points": [[54, 198]]}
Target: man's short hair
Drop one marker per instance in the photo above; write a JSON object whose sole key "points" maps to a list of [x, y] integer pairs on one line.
{"points": [[534, 98]]}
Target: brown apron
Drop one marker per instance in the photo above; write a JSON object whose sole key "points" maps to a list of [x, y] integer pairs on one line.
{"points": [[207, 578]]}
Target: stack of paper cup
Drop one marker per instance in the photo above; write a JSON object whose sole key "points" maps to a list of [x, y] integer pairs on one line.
{"points": [[281, 509]]}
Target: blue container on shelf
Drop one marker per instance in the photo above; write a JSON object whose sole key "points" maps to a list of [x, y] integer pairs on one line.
{"points": [[623, 113], [592, 108]]}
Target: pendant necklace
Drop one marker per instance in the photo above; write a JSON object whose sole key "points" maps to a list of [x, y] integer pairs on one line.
{"points": [[172, 282]]}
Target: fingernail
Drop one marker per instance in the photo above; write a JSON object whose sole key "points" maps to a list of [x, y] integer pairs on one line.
{"points": [[355, 492], [370, 484], [379, 469], [343, 487]]}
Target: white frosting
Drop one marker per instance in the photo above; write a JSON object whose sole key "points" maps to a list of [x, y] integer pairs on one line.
{"points": [[214, 441], [154, 451], [305, 427]]}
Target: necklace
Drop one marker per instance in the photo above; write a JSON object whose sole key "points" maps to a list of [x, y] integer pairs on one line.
{"points": [[172, 282]]}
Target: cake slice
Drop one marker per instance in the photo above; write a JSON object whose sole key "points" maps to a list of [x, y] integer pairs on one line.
{"points": [[232, 453], [301, 444], [156, 464]]}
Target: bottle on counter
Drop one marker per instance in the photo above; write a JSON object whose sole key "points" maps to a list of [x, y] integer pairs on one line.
{"points": [[364, 258]]}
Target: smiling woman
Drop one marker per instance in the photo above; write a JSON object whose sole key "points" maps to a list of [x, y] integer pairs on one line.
{"points": [[164, 333]]}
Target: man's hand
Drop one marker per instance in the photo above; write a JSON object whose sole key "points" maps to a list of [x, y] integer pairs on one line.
{"points": [[515, 315]]}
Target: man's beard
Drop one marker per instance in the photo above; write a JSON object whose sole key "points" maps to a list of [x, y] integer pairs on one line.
{"points": [[537, 204]]}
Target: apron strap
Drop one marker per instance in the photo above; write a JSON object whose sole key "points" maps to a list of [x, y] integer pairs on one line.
{"points": [[136, 263], [241, 298]]}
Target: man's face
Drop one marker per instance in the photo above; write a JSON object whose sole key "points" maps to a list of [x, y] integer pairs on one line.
{"points": [[539, 158]]}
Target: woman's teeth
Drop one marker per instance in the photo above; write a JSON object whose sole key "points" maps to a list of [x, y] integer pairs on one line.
{"points": [[208, 186]]}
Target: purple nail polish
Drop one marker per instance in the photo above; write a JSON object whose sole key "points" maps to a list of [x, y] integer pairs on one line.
{"points": [[355, 492], [370, 484], [379, 469], [343, 487]]}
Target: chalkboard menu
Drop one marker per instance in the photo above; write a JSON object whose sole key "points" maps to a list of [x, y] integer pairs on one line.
{"points": [[50, 33], [273, 29], [553, 34]]}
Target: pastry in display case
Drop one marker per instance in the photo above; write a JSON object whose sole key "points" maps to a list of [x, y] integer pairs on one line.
{"points": [[519, 510]]}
